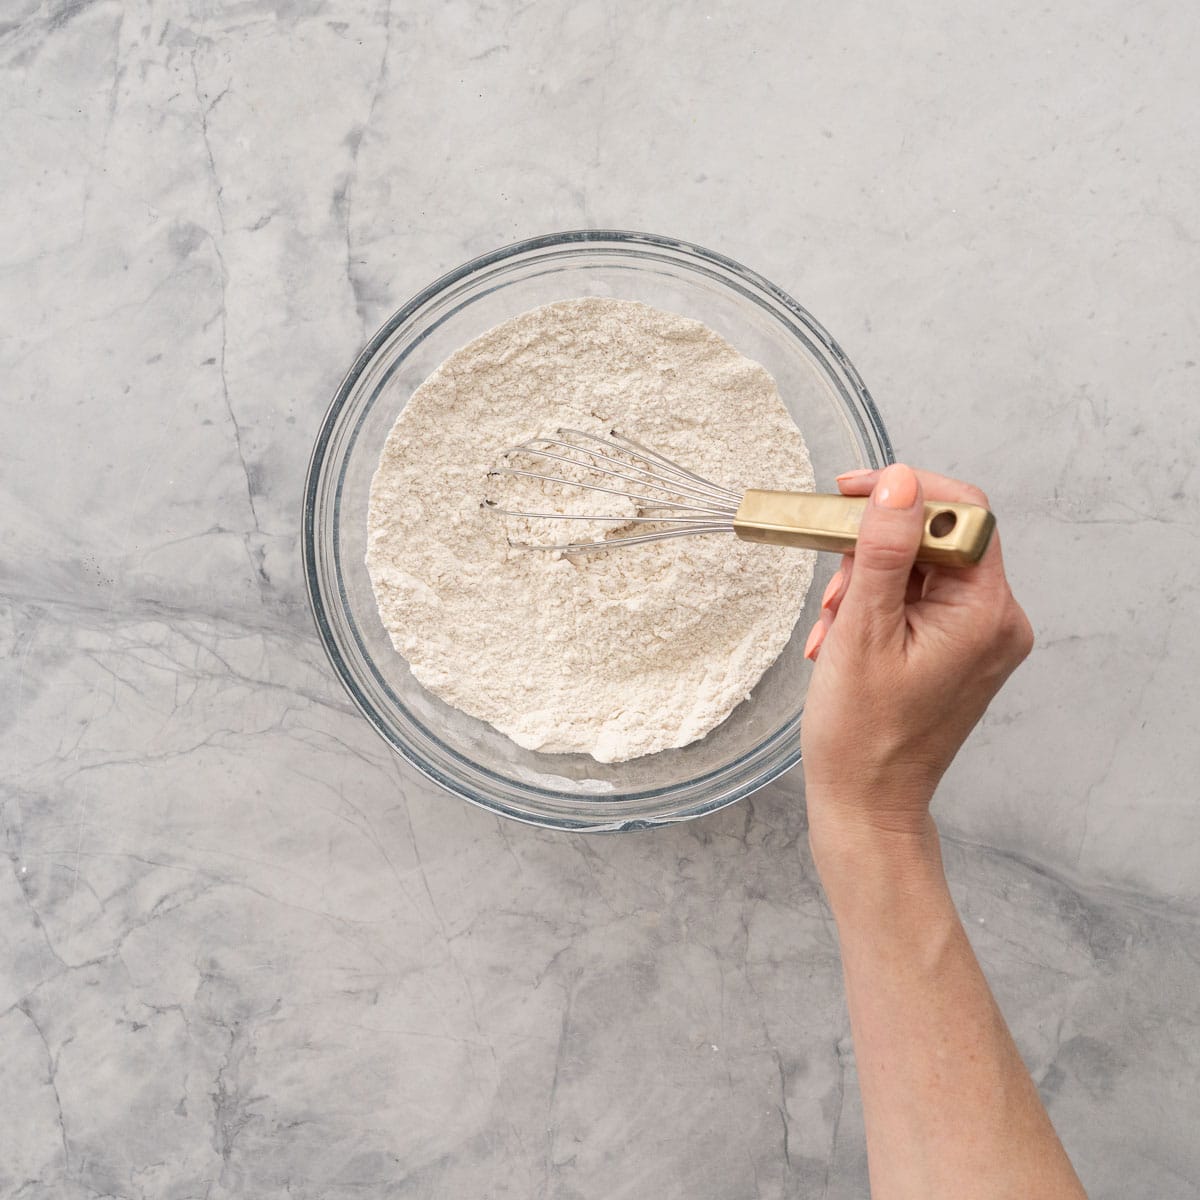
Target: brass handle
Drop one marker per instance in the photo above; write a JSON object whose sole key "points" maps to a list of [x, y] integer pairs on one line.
{"points": [[955, 535]]}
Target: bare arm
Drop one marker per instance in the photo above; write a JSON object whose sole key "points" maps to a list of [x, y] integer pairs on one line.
{"points": [[907, 662]]}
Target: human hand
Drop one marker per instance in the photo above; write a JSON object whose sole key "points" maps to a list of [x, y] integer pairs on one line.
{"points": [[908, 657]]}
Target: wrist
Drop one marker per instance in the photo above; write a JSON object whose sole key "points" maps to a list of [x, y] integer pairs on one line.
{"points": [[866, 859]]}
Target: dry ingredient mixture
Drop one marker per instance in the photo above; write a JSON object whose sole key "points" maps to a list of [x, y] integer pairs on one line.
{"points": [[615, 653]]}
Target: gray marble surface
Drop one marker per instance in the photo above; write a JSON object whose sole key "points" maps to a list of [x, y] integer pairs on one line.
{"points": [[246, 952]]}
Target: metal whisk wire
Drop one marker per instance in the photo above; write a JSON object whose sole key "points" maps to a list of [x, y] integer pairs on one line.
{"points": [[686, 503]]}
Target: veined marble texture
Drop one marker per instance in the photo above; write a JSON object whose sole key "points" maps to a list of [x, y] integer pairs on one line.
{"points": [[244, 951]]}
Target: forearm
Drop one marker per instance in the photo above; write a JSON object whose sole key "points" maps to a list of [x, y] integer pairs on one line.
{"points": [[950, 1108]]}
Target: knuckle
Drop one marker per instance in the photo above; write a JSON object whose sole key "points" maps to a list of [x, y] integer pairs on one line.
{"points": [[885, 555], [1013, 633], [1025, 637], [873, 634]]}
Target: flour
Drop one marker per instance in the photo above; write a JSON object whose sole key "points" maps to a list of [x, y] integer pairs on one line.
{"points": [[617, 653]]}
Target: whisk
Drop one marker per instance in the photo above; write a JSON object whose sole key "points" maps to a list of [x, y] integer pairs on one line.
{"points": [[676, 502]]}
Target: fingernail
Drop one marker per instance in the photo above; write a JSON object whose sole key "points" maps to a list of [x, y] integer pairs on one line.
{"points": [[832, 589], [855, 474], [815, 638], [897, 487]]}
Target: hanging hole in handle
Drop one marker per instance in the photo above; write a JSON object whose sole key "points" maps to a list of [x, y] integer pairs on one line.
{"points": [[940, 524]]}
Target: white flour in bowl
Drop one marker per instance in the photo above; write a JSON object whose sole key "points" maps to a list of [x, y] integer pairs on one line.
{"points": [[618, 653]]}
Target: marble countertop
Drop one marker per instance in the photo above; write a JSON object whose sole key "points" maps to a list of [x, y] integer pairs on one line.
{"points": [[248, 953]]}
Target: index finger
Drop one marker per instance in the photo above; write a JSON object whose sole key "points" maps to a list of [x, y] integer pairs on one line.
{"points": [[940, 487]]}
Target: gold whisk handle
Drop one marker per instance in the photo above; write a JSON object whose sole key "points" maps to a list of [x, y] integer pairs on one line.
{"points": [[955, 535]]}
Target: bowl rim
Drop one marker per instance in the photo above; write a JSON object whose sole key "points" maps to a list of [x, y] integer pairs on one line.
{"points": [[868, 419]]}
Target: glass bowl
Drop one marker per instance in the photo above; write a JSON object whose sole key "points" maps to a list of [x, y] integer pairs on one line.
{"points": [[827, 399]]}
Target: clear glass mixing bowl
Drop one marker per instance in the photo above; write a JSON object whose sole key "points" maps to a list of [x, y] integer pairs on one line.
{"points": [[823, 392]]}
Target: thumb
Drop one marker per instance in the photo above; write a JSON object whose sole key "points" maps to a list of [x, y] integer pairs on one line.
{"points": [[888, 539]]}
